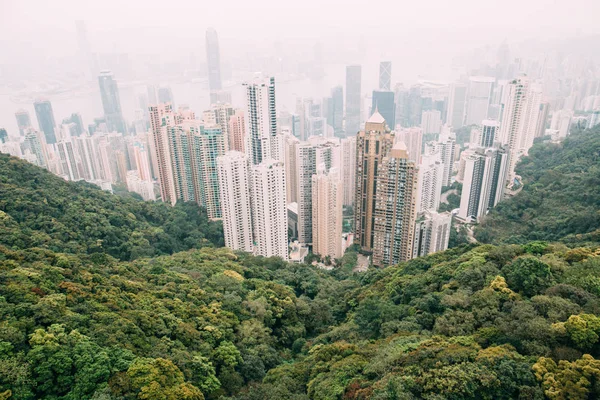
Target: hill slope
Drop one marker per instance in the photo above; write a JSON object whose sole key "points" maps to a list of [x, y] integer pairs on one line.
{"points": [[561, 197], [38, 209]]}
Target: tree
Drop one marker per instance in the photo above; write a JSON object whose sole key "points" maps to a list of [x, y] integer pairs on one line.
{"points": [[528, 275]]}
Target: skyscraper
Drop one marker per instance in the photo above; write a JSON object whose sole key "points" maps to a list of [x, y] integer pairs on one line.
{"points": [[385, 77], [237, 131], [219, 114], [383, 101], [194, 149], [413, 139], [432, 233], [261, 125], [483, 184], [86, 57], [269, 211], [430, 173], [45, 117], [431, 122], [111, 102], [291, 144], [520, 118], [478, 99], [395, 208], [327, 213], [335, 110], [235, 189], [213, 60], [348, 147], [372, 145], [489, 133], [457, 99], [353, 99], [445, 147], [23, 121], [35, 143], [75, 119], [165, 95], [309, 156], [162, 117]]}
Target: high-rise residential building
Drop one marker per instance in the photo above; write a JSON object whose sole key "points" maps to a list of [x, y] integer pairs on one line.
{"points": [[68, 160], [237, 131], [45, 117], [235, 193], [35, 143], [483, 184], [353, 99], [385, 78], [310, 156], [413, 139], [431, 122], [269, 211], [291, 168], [542, 119], [457, 101], [23, 121], [161, 118], [489, 133], [219, 114], [383, 102], [165, 95], [431, 172], [348, 148], [261, 123], [327, 213], [432, 233], [520, 117], [446, 148], [194, 149], [213, 60], [372, 145], [111, 102], [395, 208], [479, 95]]}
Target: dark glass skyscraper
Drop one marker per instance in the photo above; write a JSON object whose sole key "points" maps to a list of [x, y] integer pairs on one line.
{"points": [[385, 75], [383, 101], [23, 121], [213, 59], [45, 117], [109, 91], [165, 95], [353, 99]]}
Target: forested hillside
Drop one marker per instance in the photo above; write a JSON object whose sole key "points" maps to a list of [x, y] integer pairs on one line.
{"points": [[88, 311], [561, 197], [38, 209]]}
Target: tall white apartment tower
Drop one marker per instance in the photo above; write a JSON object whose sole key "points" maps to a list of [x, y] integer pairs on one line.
{"points": [[431, 172], [327, 213], [261, 123], [520, 116], [432, 233], [269, 209], [309, 156], [234, 184]]}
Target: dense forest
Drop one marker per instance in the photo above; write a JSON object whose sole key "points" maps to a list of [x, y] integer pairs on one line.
{"points": [[560, 200], [93, 305], [39, 209]]}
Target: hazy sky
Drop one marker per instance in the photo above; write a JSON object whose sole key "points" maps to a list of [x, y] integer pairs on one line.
{"points": [[475, 21]]}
